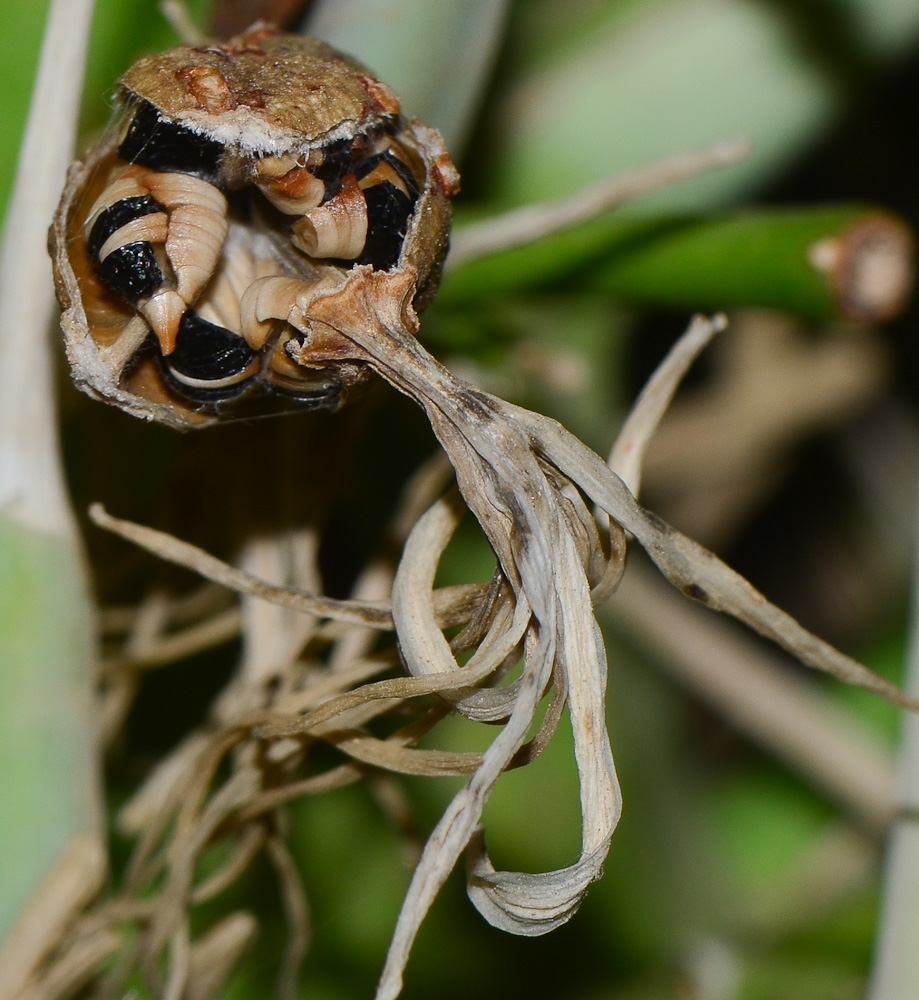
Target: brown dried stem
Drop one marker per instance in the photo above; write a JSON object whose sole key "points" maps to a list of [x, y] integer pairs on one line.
{"points": [[528, 482]]}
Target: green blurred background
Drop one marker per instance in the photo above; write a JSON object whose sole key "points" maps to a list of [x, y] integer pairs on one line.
{"points": [[703, 895]]}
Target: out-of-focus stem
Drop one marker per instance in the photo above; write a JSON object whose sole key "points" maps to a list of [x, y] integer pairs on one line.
{"points": [[229, 17], [534, 223], [843, 261], [896, 962], [49, 787]]}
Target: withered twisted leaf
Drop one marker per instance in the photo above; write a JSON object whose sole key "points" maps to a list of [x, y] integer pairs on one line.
{"points": [[500, 453], [526, 479]]}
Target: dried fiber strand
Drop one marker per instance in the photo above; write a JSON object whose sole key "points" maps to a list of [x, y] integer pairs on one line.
{"points": [[529, 483], [496, 450]]}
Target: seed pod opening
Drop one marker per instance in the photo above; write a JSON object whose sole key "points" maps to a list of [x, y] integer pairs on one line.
{"points": [[269, 156]]}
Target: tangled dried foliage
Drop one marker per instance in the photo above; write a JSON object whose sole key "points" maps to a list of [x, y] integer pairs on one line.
{"points": [[313, 674], [511, 652]]}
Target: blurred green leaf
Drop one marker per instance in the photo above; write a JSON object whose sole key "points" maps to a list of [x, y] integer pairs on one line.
{"points": [[673, 74], [765, 258], [47, 650], [19, 43]]}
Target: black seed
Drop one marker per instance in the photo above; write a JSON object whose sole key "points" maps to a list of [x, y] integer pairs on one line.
{"points": [[163, 145], [388, 212], [336, 163], [132, 270], [401, 168], [207, 352], [118, 215]]}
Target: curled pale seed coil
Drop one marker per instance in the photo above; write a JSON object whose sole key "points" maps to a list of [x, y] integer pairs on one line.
{"points": [[384, 172], [271, 167], [239, 267], [148, 228], [197, 228], [129, 185], [164, 312], [336, 229], [264, 302], [295, 192]]}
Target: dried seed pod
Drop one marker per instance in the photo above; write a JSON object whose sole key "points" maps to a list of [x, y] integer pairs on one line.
{"points": [[268, 157]]}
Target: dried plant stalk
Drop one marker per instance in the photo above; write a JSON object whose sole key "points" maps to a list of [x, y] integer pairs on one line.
{"points": [[896, 965], [508, 463], [50, 786], [310, 674], [529, 482]]}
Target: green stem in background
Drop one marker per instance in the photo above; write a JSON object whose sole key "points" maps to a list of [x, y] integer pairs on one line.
{"points": [[826, 263], [49, 782]]}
